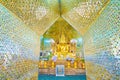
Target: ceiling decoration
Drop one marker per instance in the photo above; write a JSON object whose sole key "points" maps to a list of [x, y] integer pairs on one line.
{"points": [[39, 15], [60, 28], [82, 13], [36, 14]]}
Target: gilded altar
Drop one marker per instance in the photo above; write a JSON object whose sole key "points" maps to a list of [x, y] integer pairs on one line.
{"points": [[63, 50]]}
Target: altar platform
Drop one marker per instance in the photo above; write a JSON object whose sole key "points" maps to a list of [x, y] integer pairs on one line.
{"points": [[49, 67], [68, 71]]}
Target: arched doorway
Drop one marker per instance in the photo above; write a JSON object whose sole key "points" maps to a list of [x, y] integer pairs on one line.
{"points": [[61, 52]]}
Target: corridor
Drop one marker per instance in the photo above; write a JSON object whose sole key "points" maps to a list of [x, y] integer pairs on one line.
{"points": [[59, 40]]}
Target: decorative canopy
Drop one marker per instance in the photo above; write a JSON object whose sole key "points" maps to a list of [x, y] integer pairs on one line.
{"points": [[61, 31]]}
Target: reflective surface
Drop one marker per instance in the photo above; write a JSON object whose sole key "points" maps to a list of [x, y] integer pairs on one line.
{"points": [[22, 22]]}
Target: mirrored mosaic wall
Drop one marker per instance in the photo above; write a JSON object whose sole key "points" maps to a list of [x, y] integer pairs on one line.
{"points": [[39, 15], [18, 44], [102, 45]]}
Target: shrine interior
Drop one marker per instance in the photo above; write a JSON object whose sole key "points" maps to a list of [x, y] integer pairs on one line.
{"points": [[59, 39]]}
